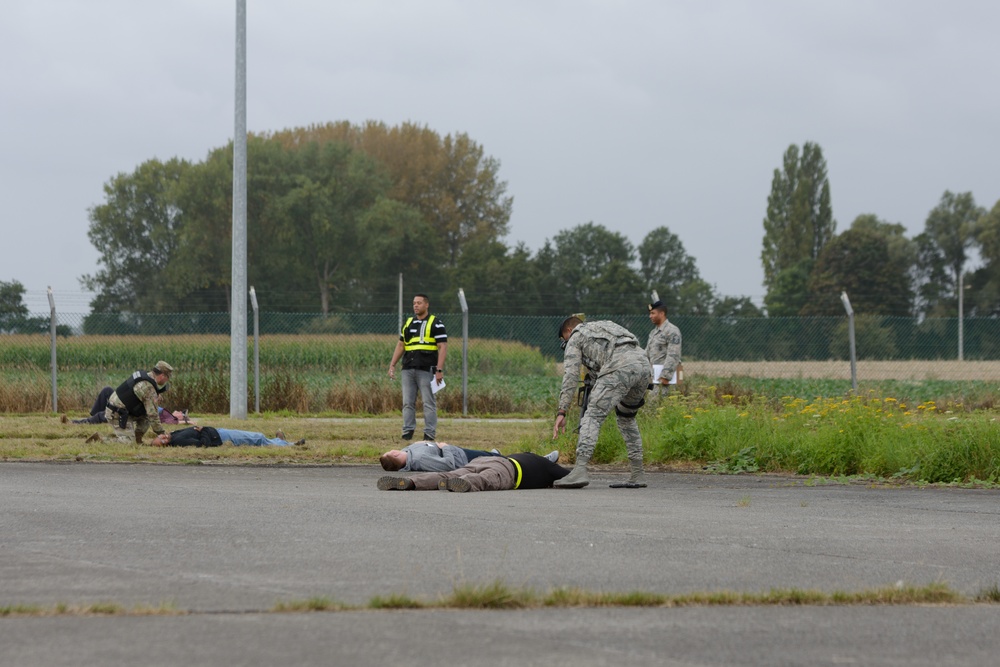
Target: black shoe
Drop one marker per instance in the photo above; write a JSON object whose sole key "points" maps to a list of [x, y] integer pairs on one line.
{"points": [[429, 437], [408, 435], [393, 483]]}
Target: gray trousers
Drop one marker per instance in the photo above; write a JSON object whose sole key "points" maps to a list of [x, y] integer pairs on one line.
{"points": [[486, 473], [414, 381]]}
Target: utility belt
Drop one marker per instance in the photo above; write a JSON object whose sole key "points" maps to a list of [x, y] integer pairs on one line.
{"points": [[427, 369]]}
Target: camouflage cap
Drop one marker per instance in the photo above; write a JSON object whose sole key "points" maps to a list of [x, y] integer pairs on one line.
{"points": [[163, 367]]}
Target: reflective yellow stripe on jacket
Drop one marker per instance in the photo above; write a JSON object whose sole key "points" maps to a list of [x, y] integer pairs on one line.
{"points": [[425, 341]]}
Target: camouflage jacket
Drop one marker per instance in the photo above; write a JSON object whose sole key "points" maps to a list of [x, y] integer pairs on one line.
{"points": [[146, 393], [594, 346], [664, 347]]}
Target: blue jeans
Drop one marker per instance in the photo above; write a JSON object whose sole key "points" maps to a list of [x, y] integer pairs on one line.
{"points": [[248, 438], [413, 381]]}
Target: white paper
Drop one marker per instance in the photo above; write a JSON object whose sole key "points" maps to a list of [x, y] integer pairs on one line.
{"points": [[435, 387], [658, 370]]}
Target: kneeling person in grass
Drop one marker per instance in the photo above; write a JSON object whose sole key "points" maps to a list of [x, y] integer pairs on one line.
{"points": [[206, 436], [486, 473]]}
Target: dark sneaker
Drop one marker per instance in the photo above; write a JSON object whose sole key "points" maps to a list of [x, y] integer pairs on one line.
{"points": [[393, 483], [408, 435], [428, 436], [300, 442], [458, 485]]}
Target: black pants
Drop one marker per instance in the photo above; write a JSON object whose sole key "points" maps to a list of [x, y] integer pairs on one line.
{"points": [[97, 412]]}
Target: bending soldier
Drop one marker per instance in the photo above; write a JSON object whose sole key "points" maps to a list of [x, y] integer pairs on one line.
{"points": [[132, 407], [612, 354]]}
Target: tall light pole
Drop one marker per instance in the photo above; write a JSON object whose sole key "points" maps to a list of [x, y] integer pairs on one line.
{"points": [[238, 319]]}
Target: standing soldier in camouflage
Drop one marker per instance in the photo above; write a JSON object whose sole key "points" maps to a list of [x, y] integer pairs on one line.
{"points": [[612, 354], [132, 407], [663, 347]]}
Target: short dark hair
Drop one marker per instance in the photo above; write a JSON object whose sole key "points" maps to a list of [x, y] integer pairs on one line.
{"points": [[422, 296], [388, 463], [569, 324]]}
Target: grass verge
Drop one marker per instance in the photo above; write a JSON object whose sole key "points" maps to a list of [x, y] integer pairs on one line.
{"points": [[499, 595]]}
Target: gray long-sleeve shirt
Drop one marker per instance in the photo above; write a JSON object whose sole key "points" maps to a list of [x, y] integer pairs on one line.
{"points": [[429, 457]]}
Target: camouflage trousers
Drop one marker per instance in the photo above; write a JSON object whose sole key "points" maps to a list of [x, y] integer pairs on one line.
{"points": [[134, 429], [620, 388]]}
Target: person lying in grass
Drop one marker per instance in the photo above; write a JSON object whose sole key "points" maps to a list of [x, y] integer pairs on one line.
{"points": [[485, 473], [206, 436]]}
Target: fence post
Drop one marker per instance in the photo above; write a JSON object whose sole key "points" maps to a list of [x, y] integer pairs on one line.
{"points": [[399, 326], [850, 335], [465, 352], [52, 335], [256, 351]]}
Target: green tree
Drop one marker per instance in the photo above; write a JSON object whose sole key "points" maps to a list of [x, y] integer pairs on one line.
{"points": [[857, 261], [799, 220], [395, 238], [319, 215], [502, 280], [666, 267], [135, 232], [984, 295], [731, 307], [790, 292], [951, 229], [449, 179], [13, 312], [588, 269]]}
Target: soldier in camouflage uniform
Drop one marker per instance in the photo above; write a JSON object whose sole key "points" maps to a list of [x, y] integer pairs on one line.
{"points": [[132, 407], [663, 347], [612, 355]]}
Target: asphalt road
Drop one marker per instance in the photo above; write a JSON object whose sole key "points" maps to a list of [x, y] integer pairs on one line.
{"points": [[227, 543]]}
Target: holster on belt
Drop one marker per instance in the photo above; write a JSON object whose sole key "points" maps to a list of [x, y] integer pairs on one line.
{"points": [[122, 417]]}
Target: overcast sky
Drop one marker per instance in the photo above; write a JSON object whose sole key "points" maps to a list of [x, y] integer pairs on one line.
{"points": [[630, 114]]}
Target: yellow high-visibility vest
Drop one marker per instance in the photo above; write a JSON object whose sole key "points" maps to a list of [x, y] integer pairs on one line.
{"points": [[423, 341]]}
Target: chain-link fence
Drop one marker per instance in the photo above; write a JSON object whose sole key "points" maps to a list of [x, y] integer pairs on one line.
{"points": [[354, 349]]}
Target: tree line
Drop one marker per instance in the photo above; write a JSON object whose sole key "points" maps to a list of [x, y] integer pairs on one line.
{"points": [[807, 264], [337, 211]]}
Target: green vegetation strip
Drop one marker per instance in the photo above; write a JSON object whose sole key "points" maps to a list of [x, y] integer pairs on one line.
{"points": [[498, 595]]}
